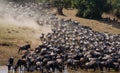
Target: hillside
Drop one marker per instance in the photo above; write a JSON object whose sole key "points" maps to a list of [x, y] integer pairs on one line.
{"points": [[94, 24]]}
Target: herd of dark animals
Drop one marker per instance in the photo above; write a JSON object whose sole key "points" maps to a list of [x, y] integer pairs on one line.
{"points": [[73, 46], [114, 20]]}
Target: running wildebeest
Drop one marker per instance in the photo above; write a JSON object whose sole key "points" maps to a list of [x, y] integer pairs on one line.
{"points": [[25, 47]]}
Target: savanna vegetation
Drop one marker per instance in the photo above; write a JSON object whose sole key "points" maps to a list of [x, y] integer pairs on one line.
{"points": [[92, 9]]}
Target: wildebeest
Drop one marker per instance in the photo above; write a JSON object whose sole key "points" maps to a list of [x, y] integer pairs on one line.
{"points": [[10, 63], [111, 64], [25, 47], [20, 64], [42, 37]]}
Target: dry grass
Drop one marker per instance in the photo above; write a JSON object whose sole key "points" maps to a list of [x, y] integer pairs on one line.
{"points": [[94, 24], [17, 35], [11, 37]]}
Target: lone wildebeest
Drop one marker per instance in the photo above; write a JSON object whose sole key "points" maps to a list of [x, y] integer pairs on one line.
{"points": [[10, 63], [25, 47]]}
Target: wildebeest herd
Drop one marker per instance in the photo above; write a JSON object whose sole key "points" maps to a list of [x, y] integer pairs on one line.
{"points": [[73, 45]]}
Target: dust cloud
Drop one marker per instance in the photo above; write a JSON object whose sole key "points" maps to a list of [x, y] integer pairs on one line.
{"points": [[25, 15]]}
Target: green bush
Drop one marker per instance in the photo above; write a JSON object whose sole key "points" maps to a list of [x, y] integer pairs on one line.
{"points": [[115, 7], [92, 9]]}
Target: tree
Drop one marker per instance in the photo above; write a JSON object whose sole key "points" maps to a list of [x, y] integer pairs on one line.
{"points": [[92, 9], [115, 7], [60, 4]]}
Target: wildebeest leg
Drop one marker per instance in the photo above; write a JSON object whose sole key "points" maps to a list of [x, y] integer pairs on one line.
{"points": [[94, 69], [28, 66], [80, 65], [9, 66], [68, 66], [59, 68], [19, 50], [53, 68], [25, 66], [108, 68], [86, 68], [41, 70], [16, 67], [20, 68], [117, 68], [73, 66], [76, 67], [101, 68], [63, 67], [94, 66]]}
